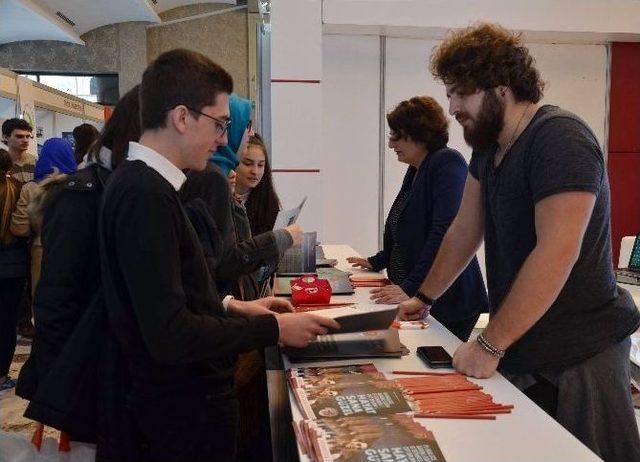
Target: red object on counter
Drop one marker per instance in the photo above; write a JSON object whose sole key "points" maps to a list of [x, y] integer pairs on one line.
{"points": [[310, 289]]}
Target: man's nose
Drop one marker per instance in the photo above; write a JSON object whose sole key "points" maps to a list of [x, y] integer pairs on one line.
{"points": [[454, 107]]}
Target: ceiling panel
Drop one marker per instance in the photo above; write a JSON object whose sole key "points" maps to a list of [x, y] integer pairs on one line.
{"points": [[165, 5], [88, 15], [24, 20]]}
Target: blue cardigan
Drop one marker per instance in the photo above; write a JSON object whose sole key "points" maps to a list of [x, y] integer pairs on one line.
{"points": [[435, 198]]}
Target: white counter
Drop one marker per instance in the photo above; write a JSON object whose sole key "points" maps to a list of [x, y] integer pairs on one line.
{"points": [[527, 434]]}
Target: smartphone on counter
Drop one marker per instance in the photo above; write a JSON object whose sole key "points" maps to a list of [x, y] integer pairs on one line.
{"points": [[435, 356]]}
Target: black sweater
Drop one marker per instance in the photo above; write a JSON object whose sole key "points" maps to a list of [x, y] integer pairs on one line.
{"points": [[160, 298]]}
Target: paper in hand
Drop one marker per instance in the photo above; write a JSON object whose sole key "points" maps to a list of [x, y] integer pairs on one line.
{"points": [[288, 217]]}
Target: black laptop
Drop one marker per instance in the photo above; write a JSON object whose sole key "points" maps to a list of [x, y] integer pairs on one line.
{"points": [[631, 274]]}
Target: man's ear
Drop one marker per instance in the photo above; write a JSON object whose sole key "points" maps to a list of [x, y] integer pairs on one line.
{"points": [[502, 90], [177, 118]]}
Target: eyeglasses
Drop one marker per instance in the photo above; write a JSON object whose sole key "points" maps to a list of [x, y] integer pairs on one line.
{"points": [[222, 126], [393, 137]]}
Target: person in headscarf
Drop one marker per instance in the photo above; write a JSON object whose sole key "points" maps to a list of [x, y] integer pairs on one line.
{"points": [[215, 187], [226, 157], [56, 160]]}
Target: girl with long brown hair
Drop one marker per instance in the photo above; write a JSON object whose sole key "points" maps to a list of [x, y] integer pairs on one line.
{"points": [[254, 186]]}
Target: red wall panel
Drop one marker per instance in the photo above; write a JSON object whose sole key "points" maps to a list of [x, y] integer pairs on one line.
{"points": [[624, 142], [624, 99], [624, 175]]}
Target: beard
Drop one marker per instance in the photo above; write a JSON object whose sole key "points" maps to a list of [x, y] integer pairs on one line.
{"points": [[482, 135]]}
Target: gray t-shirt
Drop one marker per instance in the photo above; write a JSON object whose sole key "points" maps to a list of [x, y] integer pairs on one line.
{"points": [[556, 153]]}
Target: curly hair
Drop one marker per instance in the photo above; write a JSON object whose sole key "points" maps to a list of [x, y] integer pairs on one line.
{"points": [[422, 120], [485, 56]]}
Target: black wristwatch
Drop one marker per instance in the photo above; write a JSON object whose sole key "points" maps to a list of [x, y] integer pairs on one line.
{"points": [[424, 299]]}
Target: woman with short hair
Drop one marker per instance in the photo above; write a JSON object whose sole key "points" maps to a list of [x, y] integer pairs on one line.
{"points": [[424, 208]]}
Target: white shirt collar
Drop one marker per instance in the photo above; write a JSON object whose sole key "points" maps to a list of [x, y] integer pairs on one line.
{"points": [[159, 163]]}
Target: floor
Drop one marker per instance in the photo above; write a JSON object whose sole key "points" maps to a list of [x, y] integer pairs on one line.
{"points": [[11, 406]]}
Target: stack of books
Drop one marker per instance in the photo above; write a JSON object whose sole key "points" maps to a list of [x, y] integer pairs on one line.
{"points": [[353, 413], [360, 439], [370, 344]]}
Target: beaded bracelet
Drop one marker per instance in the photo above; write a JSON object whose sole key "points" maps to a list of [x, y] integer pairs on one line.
{"points": [[489, 348]]}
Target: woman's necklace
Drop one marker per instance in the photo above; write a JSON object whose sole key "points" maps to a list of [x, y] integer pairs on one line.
{"points": [[501, 152]]}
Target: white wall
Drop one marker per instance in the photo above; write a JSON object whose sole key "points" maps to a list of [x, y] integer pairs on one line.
{"points": [[576, 77], [45, 120], [325, 110], [584, 20], [296, 107], [64, 123], [350, 158]]}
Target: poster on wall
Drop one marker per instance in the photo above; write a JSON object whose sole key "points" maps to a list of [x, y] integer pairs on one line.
{"points": [[25, 106]]}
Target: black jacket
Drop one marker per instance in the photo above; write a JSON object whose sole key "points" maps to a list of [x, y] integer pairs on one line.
{"points": [[70, 274], [436, 193], [239, 257], [76, 378]]}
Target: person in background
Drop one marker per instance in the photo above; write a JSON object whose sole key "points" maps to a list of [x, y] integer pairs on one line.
{"points": [[56, 158], [17, 134], [421, 214], [538, 193], [254, 186], [13, 269], [236, 276], [84, 136], [70, 270], [75, 377]]}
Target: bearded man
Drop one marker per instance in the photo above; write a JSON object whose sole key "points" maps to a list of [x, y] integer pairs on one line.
{"points": [[538, 194]]}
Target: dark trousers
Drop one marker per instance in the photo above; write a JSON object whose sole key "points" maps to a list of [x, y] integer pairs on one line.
{"points": [[189, 428], [11, 292], [461, 328], [593, 401]]}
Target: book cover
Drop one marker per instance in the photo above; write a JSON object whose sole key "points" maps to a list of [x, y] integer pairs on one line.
{"points": [[371, 344], [369, 439], [371, 395]]}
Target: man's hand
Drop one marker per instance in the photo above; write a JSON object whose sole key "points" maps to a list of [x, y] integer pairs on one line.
{"points": [[267, 305], [388, 295], [358, 262], [300, 329], [472, 360], [412, 310], [276, 304], [296, 233]]}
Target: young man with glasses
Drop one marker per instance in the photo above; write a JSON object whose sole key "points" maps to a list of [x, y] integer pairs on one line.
{"points": [[17, 134], [179, 339]]}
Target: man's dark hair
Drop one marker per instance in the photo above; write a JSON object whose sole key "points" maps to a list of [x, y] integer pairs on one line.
{"points": [[180, 77], [122, 127], [9, 125], [422, 120], [486, 56]]}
